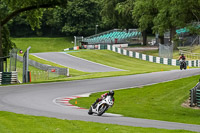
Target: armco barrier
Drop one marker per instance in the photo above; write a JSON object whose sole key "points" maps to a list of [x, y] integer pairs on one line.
{"points": [[74, 48], [0, 77], [166, 61], [195, 95], [8, 78], [61, 71]]}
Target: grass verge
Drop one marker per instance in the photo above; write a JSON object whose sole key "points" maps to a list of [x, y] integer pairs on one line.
{"points": [[159, 102], [129, 65], [176, 54], [17, 123], [73, 72], [43, 44]]}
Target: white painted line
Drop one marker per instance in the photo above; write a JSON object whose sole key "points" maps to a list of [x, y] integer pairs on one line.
{"points": [[137, 55], [150, 58], [110, 114], [165, 61], [49, 61], [93, 62], [174, 62], [157, 59], [144, 57], [99, 78]]}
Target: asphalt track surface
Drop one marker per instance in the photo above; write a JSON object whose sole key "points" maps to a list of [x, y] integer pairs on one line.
{"points": [[39, 99], [75, 62]]}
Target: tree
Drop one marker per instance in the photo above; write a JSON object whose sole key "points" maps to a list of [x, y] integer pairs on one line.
{"points": [[117, 13], [166, 15], [31, 8], [143, 14], [127, 14], [173, 14], [79, 17]]}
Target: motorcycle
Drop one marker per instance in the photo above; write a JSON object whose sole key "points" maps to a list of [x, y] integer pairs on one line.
{"points": [[182, 64], [102, 106]]}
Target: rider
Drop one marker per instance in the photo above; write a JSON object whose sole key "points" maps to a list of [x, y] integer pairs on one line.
{"points": [[110, 93], [182, 57]]}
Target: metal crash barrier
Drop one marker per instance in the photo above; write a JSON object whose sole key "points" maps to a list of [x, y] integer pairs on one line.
{"points": [[8, 78], [195, 96]]}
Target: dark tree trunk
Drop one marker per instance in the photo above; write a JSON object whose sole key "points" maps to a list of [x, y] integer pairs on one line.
{"points": [[1, 50], [162, 41], [172, 33], [144, 36]]}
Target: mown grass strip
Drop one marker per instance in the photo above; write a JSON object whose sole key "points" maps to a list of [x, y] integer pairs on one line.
{"points": [[73, 72], [159, 102], [17, 123], [130, 64], [43, 44]]}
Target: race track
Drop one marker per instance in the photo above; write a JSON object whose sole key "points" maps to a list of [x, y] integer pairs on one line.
{"points": [[39, 99], [75, 62]]}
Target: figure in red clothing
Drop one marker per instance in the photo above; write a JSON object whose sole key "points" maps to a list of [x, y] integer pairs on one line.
{"points": [[20, 51], [182, 62], [110, 93], [182, 57]]}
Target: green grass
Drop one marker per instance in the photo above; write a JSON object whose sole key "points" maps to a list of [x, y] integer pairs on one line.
{"points": [[73, 72], [129, 65], [176, 54], [132, 65], [43, 44], [17, 123], [159, 102], [37, 75]]}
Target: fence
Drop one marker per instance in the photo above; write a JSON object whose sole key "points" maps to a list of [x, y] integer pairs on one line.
{"points": [[166, 51], [190, 55], [13, 60], [195, 96], [166, 61], [61, 71], [8, 78]]}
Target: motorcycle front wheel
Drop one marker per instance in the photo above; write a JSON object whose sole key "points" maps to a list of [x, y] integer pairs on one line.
{"points": [[102, 109]]}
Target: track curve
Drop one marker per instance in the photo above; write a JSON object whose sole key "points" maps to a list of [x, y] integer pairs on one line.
{"points": [[75, 62], [37, 99]]}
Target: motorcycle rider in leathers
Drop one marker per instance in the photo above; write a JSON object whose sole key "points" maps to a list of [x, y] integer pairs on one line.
{"points": [[110, 93], [182, 57]]}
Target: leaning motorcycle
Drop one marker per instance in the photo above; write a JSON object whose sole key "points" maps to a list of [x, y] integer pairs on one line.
{"points": [[102, 106], [182, 64]]}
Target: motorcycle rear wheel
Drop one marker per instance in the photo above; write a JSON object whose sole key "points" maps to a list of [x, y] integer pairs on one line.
{"points": [[90, 111], [181, 66]]}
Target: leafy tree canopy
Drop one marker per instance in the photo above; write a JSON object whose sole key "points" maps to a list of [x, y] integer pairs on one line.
{"points": [[79, 17], [31, 8]]}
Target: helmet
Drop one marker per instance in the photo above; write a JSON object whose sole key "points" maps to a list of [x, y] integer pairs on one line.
{"points": [[182, 54], [111, 92]]}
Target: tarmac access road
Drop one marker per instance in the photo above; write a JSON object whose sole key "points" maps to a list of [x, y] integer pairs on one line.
{"points": [[75, 62], [39, 99]]}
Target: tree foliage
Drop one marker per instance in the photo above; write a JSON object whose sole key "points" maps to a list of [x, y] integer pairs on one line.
{"points": [[166, 15], [31, 8], [117, 13], [79, 17]]}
